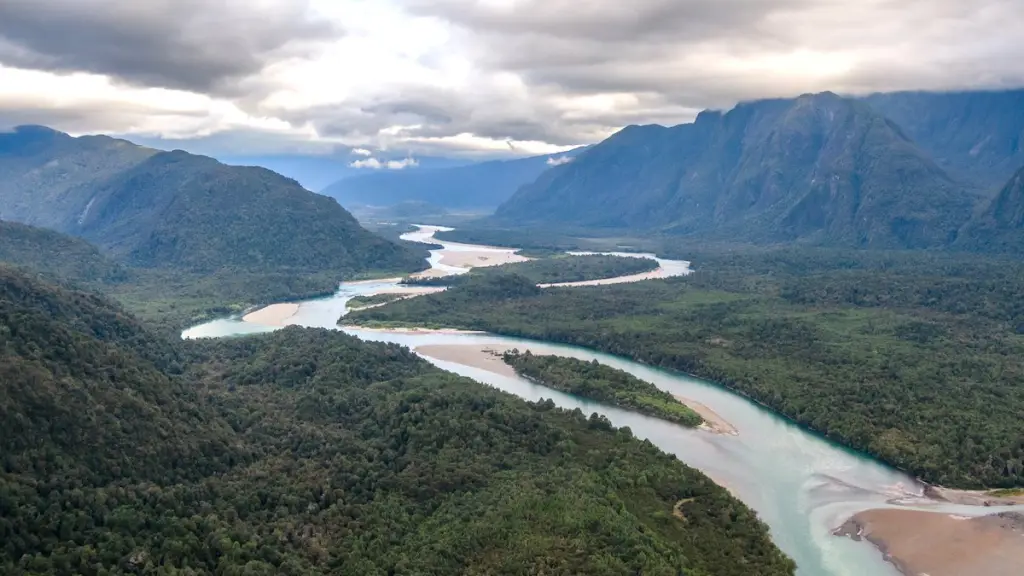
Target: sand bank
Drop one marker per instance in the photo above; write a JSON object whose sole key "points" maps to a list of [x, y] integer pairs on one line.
{"points": [[939, 544], [486, 357], [652, 275], [273, 315], [480, 258], [971, 497], [472, 355], [712, 421], [409, 330]]}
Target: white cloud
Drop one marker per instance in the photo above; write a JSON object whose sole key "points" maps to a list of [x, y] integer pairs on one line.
{"points": [[361, 152], [376, 164], [553, 161], [466, 77]]}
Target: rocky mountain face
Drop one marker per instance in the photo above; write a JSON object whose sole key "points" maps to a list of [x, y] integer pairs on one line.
{"points": [[174, 209], [818, 168], [975, 136]]}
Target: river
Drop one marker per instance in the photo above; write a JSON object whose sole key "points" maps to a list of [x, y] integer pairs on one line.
{"points": [[800, 484]]}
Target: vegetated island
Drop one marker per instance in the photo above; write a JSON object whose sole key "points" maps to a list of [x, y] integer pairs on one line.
{"points": [[552, 270], [596, 381], [359, 302]]}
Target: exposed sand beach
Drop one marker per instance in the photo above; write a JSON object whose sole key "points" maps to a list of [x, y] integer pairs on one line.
{"points": [[486, 357], [936, 544], [972, 497], [273, 315], [652, 275], [480, 258], [712, 421]]}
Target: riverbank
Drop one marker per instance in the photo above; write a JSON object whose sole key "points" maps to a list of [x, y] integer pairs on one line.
{"points": [[273, 315], [652, 275], [489, 358], [972, 497], [480, 258], [938, 544]]}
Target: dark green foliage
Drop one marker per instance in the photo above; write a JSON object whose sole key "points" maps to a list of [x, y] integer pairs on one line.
{"points": [[309, 452], [55, 255], [820, 169], [551, 270], [174, 209], [602, 383], [374, 300], [914, 358]]}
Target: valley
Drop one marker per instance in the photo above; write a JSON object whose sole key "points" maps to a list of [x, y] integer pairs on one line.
{"points": [[821, 485]]}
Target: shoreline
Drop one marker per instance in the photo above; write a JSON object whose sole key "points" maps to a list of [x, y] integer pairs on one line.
{"points": [[452, 331], [939, 544], [273, 315], [488, 357]]}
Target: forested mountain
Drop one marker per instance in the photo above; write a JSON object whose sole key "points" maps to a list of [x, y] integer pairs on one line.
{"points": [[308, 452], [56, 255], [818, 168], [480, 186], [975, 136], [1000, 227], [160, 209]]}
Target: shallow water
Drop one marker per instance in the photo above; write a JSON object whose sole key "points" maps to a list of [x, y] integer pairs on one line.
{"points": [[801, 485]]}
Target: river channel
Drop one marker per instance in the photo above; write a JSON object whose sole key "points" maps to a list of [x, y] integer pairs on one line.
{"points": [[801, 485]]}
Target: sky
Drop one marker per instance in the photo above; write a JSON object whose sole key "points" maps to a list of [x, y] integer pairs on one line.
{"points": [[465, 78]]}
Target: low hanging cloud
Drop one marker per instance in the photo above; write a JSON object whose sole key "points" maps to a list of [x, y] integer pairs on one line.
{"points": [[375, 164], [558, 161]]}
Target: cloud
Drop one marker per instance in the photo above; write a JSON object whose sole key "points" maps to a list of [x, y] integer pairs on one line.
{"points": [[470, 77], [205, 46], [376, 164], [553, 161], [361, 152]]}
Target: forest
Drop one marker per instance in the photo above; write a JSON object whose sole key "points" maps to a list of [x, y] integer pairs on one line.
{"points": [[915, 358], [551, 270], [601, 383], [311, 452]]}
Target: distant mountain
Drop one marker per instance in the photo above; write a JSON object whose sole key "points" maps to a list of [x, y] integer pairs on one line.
{"points": [[316, 172], [818, 168], [1000, 226], [56, 255], [160, 209], [973, 135], [480, 186]]}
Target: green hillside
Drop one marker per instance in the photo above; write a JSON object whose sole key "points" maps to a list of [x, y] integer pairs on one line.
{"points": [[56, 255], [309, 452]]}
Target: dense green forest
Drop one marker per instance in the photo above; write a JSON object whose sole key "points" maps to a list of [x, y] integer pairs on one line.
{"points": [[58, 257], [551, 270], [311, 452], [917, 358], [605, 384], [372, 300]]}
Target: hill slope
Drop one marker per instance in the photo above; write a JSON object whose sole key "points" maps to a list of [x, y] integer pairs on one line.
{"points": [[480, 186], [978, 136], [1000, 227], [56, 255], [180, 210], [818, 168], [310, 452]]}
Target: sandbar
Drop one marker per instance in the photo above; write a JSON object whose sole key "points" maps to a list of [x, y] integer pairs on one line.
{"points": [[651, 275], [480, 258], [971, 497], [410, 330], [273, 315], [712, 421], [488, 357], [939, 544]]}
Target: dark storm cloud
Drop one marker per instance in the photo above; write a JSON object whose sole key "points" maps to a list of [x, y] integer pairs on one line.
{"points": [[199, 45]]}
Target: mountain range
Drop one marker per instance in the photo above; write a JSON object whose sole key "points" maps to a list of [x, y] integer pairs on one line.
{"points": [[481, 186], [819, 168], [151, 208]]}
